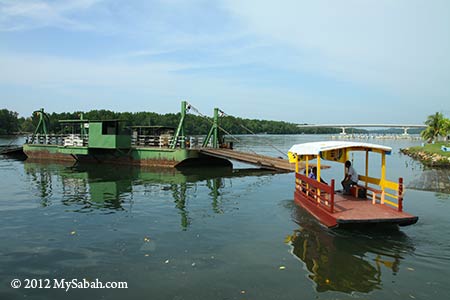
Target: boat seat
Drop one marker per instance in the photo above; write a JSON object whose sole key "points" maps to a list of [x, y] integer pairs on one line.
{"points": [[355, 189]]}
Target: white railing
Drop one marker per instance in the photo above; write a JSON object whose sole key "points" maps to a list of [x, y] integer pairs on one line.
{"points": [[58, 139], [165, 141], [73, 140]]}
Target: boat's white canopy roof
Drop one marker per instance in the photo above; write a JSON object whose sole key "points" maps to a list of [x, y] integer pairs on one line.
{"points": [[315, 148]]}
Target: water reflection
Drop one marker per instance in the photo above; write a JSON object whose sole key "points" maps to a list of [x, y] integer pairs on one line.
{"points": [[110, 188], [44, 186], [215, 184], [179, 195], [347, 261]]}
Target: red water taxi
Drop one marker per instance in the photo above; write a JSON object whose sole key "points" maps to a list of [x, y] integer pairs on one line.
{"points": [[380, 201]]}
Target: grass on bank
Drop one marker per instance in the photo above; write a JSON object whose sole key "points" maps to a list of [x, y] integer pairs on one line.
{"points": [[432, 148]]}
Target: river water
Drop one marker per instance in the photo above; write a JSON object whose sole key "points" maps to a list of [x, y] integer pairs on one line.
{"points": [[212, 234]]}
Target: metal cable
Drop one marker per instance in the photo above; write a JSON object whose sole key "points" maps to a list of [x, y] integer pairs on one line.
{"points": [[209, 120], [190, 106], [271, 145]]}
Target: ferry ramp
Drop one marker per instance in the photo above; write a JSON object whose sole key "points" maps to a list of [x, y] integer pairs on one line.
{"points": [[11, 150], [263, 161]]}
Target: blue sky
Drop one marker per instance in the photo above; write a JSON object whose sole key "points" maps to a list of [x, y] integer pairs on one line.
{"points": [[357, 61]]}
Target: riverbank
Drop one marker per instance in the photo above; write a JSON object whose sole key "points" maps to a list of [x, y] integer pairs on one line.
{"points": [[431, 155]]}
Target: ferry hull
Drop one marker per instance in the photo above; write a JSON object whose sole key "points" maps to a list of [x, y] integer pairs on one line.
{"points": [[145, 156], [46, 152], [315, 210]]}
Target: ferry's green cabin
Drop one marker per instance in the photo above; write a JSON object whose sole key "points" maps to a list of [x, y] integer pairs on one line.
{"points": [[100, 134], [108, 134]]}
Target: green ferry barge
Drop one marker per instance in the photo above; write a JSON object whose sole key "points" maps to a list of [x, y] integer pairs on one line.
{"points": [[109, 141]]}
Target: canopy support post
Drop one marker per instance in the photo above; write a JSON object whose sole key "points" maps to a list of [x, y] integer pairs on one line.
{"points": [[383, 175], [318, 167], [318, 177], [367, 166]]}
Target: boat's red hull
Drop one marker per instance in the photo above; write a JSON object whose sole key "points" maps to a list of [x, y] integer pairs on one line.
{"points": [[352, 211]]}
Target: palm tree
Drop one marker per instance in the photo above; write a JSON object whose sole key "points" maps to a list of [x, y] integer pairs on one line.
{"points": [[437, 126], [446, 129]]}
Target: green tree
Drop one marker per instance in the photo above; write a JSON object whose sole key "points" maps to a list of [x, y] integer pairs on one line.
{"points": [[438, 125], [9, 123], [446, 128], [27, 125], [194, 124]]}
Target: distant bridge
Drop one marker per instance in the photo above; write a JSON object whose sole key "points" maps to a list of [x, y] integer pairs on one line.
{"points": [[405, 127]]}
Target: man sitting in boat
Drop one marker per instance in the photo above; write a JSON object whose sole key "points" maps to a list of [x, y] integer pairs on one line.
{"points": [[351, 178]]}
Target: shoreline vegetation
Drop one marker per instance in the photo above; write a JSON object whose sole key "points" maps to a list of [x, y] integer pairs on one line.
{"points": [[12, 124], [431, 155]]}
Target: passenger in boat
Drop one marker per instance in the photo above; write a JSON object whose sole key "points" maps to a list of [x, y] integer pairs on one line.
{"points": [[351, 178], [313, 175]]}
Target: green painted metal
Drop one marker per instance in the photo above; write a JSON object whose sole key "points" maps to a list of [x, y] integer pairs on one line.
{"points": [[52, 149], [83, 127], [96, 138], [41, 128], [105, 135], [123, 141], [42, 125], [73, 150], [214, 131], [159, 154], [216, 128], [180, 129], [144, 156], [109, 143], [55, 149]]}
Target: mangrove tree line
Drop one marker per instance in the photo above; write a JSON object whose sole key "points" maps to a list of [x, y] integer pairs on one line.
{"points": [[10, 123]]}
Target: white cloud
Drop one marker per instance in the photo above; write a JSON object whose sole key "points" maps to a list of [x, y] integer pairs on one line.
{"points": [[23, 15], [34, 70], [402, 46], [84, 84], [245, 54]]}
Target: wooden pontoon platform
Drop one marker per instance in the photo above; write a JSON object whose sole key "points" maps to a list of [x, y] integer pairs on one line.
{"points": [[263, 161]]}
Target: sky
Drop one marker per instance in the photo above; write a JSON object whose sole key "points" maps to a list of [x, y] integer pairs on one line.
{"points": [[335, 61]]}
